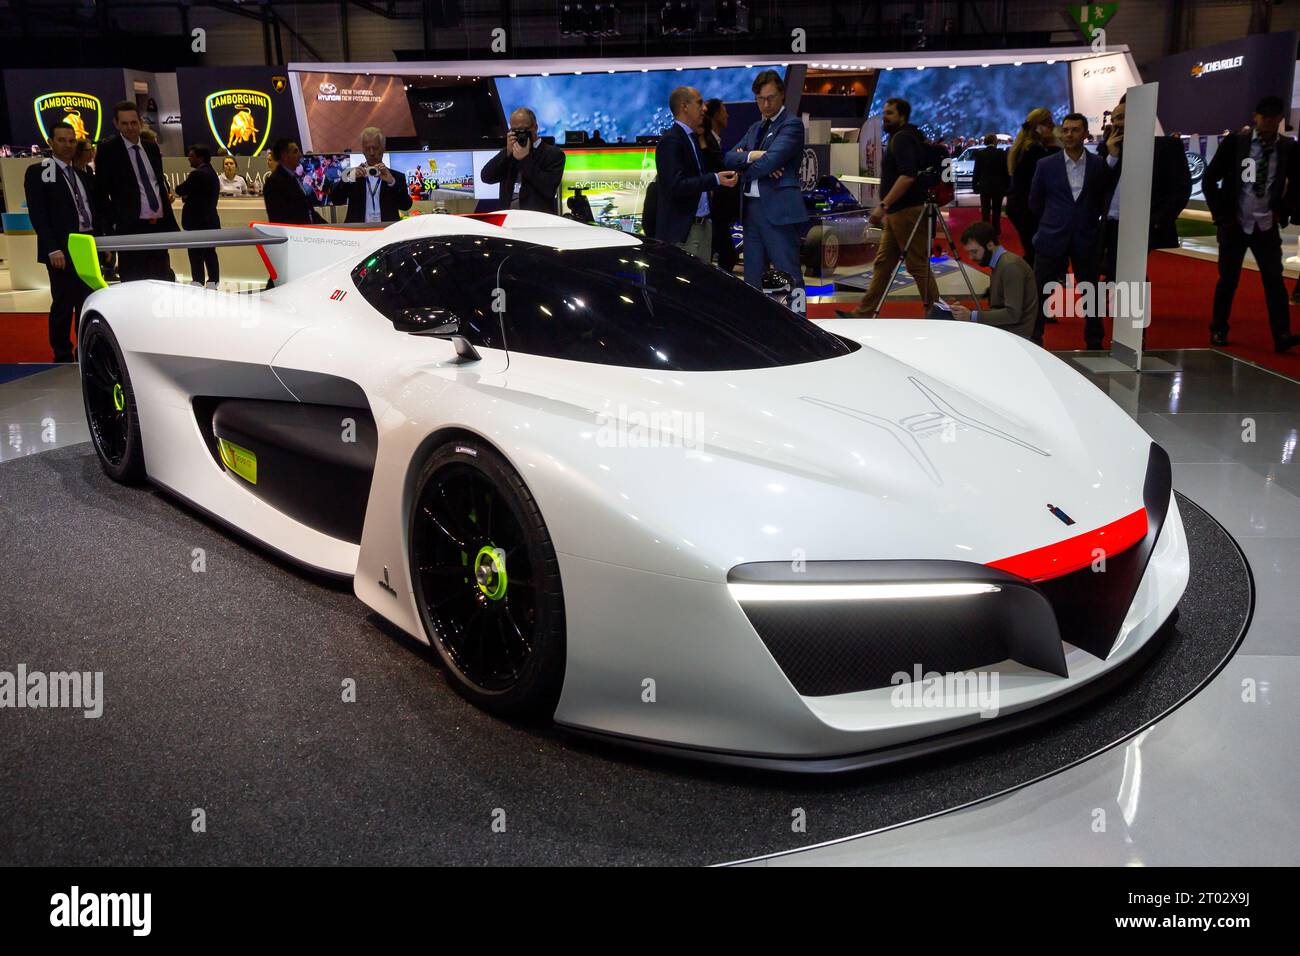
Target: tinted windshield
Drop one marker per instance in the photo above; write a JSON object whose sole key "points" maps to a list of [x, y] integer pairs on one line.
{"points": [[650, 306], [644, 306]]}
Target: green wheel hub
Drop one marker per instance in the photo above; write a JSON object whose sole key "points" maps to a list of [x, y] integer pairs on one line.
{"points": [[119, 399], [490, 572]]}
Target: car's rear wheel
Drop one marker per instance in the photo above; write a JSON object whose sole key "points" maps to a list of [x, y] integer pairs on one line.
{"points": [[487, 581], [110, 403]]}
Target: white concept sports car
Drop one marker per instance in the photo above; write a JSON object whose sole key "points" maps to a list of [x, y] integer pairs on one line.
{"points": [[620, 489]]}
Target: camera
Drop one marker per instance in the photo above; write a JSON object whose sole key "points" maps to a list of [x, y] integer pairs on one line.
{"points": [[522, 136], [372, 170]]}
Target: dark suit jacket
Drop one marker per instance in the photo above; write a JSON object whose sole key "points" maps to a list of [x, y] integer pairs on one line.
{"points": [[990, 175], [285, 200], [120, 191], [1066, 224], [52, 209], [1222, 181], [780, 200], [200, 191], [392, 199], [681, 181], [1171, 188], [538, 175]]}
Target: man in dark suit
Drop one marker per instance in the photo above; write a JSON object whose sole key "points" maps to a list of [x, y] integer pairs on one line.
{"points": [[1068, 194], [1171, 188], [60, 201], [373, 192], [282, 191], [528, 169], [684, 184], [991, 181], [768, 158], [129, 177], [1244, 186], [200, 192]]}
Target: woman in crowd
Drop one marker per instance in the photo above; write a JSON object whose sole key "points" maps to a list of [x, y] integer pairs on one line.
{"points": [[724, 204], [232, 184], [1036, 139], [200, 191]]}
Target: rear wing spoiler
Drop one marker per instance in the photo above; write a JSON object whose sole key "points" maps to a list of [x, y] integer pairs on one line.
{"points": [[287, 251]]}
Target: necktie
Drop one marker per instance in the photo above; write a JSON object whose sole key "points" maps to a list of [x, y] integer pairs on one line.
{"points": [[83, 214], [762, 133], [149, 194], [1261, 175]]}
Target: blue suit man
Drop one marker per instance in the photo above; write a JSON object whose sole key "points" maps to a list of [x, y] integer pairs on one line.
{"points": [[1069, 193], [771, 207]]}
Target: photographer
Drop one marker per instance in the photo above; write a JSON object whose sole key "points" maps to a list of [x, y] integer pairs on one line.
{"points": [[899, 210], [372, 191], [528, 170]]}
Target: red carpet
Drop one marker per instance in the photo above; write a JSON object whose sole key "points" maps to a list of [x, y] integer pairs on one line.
{"points": [[1182, 289]]}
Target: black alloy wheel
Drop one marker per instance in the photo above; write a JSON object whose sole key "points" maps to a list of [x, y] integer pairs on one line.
{"points": [[110, 403], [487, 582]]}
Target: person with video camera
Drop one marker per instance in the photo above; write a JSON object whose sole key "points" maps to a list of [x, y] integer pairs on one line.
{"points": [[907, 166], [528, 169], [372, 191]]}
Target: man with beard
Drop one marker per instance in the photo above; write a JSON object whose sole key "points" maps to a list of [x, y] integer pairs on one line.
{"points": [[1013, 292]]}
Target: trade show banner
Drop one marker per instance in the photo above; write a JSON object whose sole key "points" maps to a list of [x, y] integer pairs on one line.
{"points": [[238, 110], [869, 159], [1215, 89], [1131, 307], [338, 106], [37, 99], [1096, 85]]}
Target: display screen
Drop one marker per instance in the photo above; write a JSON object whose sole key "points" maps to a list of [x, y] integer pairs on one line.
{"points": [[338, 106], [236, 110], [450, 113], [622, 106], [970, 101], [614, 182], [432, 173], [320, 172]]}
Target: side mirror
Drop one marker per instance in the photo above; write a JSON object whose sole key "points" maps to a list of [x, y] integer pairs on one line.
{"points": [[440, 324]]}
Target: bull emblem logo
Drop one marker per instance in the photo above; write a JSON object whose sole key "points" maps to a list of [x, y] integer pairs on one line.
{"points": [[81, 111], [243, 128], [240, 120]]}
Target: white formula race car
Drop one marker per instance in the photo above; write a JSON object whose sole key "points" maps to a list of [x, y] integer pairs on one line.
{"points": [[620, 489]]}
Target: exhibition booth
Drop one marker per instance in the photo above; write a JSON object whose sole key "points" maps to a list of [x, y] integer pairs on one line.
{"points": [[606, 114]]}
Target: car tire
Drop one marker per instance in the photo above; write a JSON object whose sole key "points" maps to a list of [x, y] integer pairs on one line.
{"points": [[109, 400], [486, 581]]}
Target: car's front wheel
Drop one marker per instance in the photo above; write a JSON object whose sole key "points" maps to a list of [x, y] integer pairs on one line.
{"points": [[487, 581], [110, 403]]}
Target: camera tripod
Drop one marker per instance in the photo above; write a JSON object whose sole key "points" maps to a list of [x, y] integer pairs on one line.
{"points": [[931, 217]]}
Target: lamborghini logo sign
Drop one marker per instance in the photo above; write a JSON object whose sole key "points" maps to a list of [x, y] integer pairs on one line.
{"points": [[81, 111], [240, 120]]}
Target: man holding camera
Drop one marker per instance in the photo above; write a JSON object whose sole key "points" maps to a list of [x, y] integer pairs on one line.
{"points": [[372, 191], [528, 169]]}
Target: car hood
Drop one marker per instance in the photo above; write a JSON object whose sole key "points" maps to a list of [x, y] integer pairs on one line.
{"points": [[882, 453]]}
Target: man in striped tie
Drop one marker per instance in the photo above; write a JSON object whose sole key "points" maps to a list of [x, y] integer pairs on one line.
{"points": [[129, 176]]}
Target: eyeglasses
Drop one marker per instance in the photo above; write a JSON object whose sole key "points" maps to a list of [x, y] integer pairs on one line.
{"points": [[767, 99]]}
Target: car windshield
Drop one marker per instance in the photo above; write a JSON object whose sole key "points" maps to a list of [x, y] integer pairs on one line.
{"points": [[642, 306], [650, 306]]}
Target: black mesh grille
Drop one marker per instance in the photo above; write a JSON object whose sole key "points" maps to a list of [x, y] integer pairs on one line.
{"points": [[841, 647]]}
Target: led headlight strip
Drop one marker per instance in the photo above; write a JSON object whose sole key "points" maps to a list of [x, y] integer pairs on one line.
{"points": [[753, 593]]}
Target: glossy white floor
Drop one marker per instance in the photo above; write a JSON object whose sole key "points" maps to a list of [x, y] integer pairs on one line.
{"points": [[1215, 782]]}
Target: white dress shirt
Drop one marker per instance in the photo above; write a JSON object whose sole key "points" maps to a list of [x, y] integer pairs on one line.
{"points": [[1075, 171], [79, 198], [159, 194]]}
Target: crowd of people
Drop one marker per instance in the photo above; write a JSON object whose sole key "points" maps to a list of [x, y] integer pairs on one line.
{"points": [[1062, 199]]}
